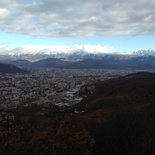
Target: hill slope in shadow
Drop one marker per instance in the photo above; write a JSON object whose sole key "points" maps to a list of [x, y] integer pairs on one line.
{"points": [[120, 115], [9, 68]]}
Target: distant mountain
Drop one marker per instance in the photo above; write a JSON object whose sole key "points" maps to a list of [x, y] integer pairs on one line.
{"points": [[58, 50], [107, 62], [74, 53], [70, 56], [21, 63], [51, 63], [81, 64], [92, 63], [8, 68], [104, 62], [145, 52]]}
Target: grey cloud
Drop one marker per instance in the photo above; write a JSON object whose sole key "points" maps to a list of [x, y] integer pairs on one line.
{"points": [[59, 18]]}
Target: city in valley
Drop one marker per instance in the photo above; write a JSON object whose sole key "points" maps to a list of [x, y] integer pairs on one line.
{"points": [[56, 86], [59, 87]]}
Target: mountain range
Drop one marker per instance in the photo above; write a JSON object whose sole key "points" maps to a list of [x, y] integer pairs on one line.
{"points": [[141, 59], [38, 54], [106, 62], [145, 52]]}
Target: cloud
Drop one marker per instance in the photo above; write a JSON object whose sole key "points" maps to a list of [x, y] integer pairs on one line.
{"points": [[69, 18]]}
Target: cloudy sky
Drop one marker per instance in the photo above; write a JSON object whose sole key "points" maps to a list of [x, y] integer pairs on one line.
{"points": [[105, 25]]}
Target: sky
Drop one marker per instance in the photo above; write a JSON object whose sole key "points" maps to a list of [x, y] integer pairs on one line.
{"points": [[101, 26]]}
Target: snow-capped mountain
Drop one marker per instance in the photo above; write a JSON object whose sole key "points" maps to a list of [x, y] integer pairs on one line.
{"points": [[145, 52], [56, 50]]}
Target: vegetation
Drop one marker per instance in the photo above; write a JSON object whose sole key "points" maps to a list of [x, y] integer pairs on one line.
{"points": [[118, 118]]}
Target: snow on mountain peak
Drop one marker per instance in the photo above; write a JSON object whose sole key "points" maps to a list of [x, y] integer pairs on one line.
{"points": [[63, 49], [144, 52]]}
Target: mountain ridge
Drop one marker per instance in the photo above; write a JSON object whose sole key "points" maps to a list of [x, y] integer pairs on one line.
{"points": [[107, 62], [9, 68]]}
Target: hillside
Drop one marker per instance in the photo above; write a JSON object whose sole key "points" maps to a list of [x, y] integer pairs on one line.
{"points": [[8, 68], [120, 115], [118, 118]]}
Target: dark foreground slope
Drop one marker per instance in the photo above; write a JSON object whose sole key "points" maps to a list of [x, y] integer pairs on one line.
{"points": [[8, 68], [118, 118], [120, 115]]}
